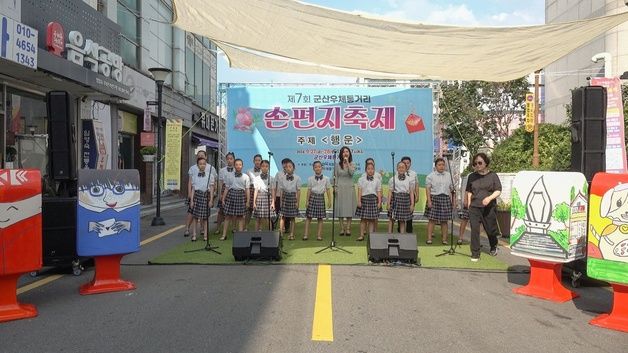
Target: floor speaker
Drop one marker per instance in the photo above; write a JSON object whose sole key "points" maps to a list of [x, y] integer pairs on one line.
{"points": [[59, 231], [588, 130], [256, 245], [393, 247], [60, 135]]}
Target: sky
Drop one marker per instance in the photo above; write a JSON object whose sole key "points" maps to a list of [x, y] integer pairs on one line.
{"points": [[451, 12]]}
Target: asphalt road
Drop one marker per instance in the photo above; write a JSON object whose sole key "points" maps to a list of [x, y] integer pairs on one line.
{"points": [[269, 308]]}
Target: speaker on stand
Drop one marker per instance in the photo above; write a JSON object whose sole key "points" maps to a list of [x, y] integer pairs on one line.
{"points": [[62, 141], [588, 130]]}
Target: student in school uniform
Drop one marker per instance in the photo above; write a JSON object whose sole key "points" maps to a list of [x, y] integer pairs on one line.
{"points": [[400, 191], [202, 196], [438, 191], [253, 173], [192, 171], [317, 185], [264, 196], [415, 188], [290, 187], [279, 176], [224, 174], [369, 200], [235, 198]]}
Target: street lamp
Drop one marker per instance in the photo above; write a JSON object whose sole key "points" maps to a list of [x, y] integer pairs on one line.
{"points": [[159, 74]]}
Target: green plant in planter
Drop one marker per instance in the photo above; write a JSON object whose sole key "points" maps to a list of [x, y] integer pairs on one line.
{"points": [[148, 151]]}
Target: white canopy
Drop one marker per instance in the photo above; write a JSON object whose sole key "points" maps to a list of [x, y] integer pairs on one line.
{"points": [[290, 36]]}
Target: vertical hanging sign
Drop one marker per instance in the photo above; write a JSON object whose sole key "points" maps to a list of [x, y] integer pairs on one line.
{"points": [[615, 143], [530, 119], [172, 162]]}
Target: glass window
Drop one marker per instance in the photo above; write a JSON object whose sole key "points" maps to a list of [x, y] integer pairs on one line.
{"points": [[128, 19], [189, 70], [198, 79], [206, 85], [26, 132]]}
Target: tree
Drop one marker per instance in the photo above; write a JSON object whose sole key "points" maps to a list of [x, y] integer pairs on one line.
{"points": [[480, 114], [515, 153]]}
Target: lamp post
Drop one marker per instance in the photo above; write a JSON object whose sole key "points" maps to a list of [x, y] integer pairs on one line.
{"points": [[159, 74]]}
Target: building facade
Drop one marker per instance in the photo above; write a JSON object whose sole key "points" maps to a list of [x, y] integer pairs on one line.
{"points": [[99, 52], [573, 70]]}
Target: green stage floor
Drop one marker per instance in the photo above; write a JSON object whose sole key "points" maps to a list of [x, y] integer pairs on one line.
{"points": [[304, 252]]}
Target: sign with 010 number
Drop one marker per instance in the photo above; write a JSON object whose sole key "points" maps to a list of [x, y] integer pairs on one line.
{"points": [[18, 42]]}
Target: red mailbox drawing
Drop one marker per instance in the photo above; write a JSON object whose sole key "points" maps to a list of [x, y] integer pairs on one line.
{"points": [[20, 237]]}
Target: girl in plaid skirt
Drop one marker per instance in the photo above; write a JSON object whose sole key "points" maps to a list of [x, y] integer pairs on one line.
{"points": [[400, 192], [439, 200], [264, 196], [290, 191], [235, 198], [224, 175], [201, 197], [317, 185], [253, 173], [369, 200]]}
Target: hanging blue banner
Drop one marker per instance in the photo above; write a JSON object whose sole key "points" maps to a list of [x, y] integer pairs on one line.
{"points": [[89, 157], [307, 124]]}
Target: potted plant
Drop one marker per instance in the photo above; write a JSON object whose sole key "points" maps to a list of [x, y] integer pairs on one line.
{"points": [[148, 153], [503, 217]]}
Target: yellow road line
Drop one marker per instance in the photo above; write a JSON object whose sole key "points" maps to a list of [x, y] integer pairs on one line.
{"points": [[323, 326], [53, 278], [161, 235], [38, 284]]}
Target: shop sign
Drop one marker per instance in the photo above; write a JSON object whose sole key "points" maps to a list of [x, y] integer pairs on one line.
{"points": [[55, 38], [91, 55], [147, 139], [208, 122], [18, 42]]}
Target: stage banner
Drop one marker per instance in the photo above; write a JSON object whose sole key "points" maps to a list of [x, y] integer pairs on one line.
{"points": [[307, 123], [615, 143], [172, 161]]}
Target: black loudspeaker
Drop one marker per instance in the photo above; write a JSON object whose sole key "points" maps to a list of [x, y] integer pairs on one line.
{"points": [[396, 247], [59, 231], [588, 130], [256, 245], [60, 136]]}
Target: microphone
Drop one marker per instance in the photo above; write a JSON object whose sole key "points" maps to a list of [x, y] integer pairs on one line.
{"points": [[270, 153], [392, 154]]}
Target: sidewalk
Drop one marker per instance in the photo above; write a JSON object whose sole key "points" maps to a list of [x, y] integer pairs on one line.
{"points": [[168, 202]]}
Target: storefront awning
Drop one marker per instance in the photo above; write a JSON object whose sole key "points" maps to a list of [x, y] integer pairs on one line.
{"points": [[204, 141]]}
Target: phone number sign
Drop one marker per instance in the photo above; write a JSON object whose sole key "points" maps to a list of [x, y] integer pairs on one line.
{"points": [[18, 42]]}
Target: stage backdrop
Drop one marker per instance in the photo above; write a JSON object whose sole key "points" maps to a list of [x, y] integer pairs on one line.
{"points": [[307, 123]]}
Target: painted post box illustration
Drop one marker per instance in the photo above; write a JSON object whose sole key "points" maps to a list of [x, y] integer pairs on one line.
{"points": [[20, 237], [108, 222], [548, 227], [608, 244]]}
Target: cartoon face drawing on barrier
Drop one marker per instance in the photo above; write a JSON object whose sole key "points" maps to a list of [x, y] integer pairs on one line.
{"points": [[108, 198], [613, 240]]}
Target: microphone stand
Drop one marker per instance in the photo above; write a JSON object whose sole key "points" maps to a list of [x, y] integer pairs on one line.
{"points": [[270, 227], [332, 245], [208, 246], [452, 246], [392, 194]]}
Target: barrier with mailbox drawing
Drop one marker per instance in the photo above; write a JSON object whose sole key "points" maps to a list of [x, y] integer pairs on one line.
{"points": [[108, 224], [20, 237]]}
